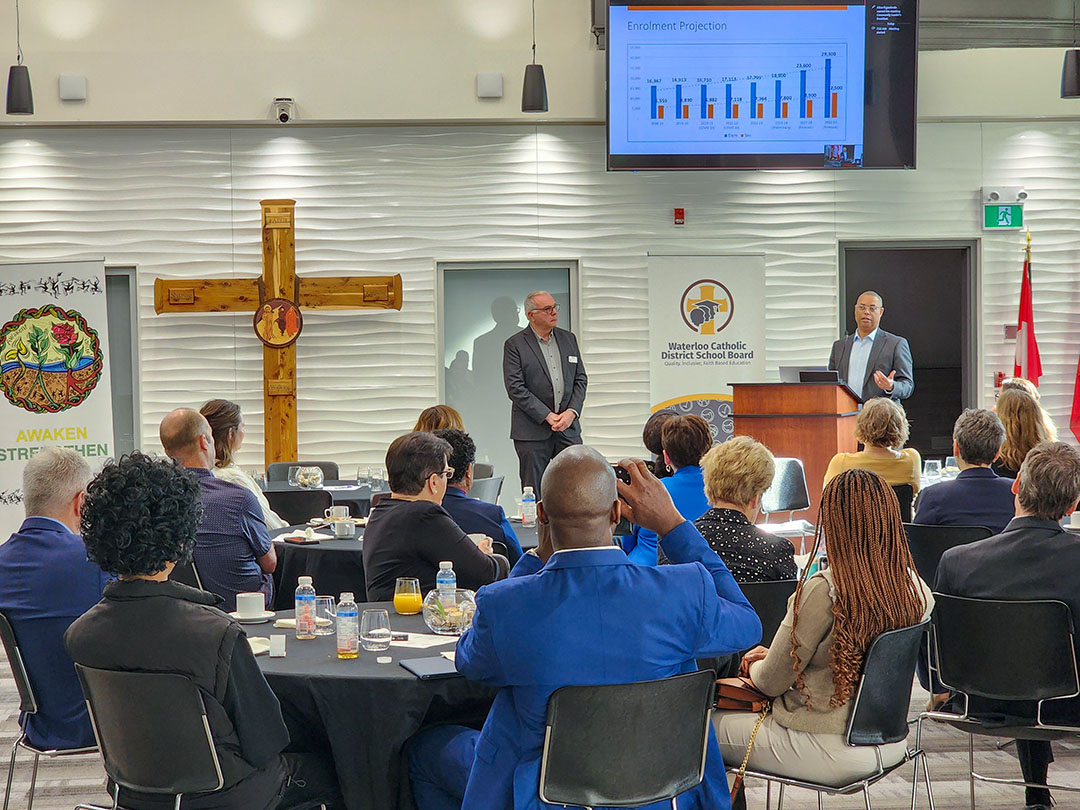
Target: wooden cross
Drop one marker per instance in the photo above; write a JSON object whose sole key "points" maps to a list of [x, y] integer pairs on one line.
{"points": [[278, 281]]}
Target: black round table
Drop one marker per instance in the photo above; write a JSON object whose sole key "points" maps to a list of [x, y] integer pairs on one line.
{"points": [[368, 710], [334, 566], [348, 493]]}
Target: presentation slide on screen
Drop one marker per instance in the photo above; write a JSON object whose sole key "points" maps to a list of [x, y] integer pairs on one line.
{"points": [[738, 80]]}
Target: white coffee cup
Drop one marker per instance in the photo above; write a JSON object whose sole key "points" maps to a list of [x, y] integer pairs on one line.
{"points": [[250, 605], [482, 541], [1074, 520], [336, 512], [344, 528]]}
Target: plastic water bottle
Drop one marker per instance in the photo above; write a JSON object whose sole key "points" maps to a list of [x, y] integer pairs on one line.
{"points": [[305, 608], [446, 584], [528, 508], [348, 630]]}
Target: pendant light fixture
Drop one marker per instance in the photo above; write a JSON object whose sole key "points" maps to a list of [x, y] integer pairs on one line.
{"points": [[534, 89], [1070, 70], [20, 100]]}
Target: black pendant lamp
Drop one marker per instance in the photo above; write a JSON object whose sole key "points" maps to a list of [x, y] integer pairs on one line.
{"points": [[20, 100], [1070, 70], [534, 88]]}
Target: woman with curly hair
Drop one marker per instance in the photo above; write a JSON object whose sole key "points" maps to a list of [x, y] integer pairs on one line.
{"points": [[882, 426], [1026, 424], [812, 666]]}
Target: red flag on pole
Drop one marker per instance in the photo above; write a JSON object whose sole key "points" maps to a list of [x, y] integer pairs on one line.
{"points": [[1027, 363]]}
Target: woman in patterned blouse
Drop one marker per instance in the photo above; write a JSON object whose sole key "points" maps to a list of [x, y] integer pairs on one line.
{"points": [[737, 473]]}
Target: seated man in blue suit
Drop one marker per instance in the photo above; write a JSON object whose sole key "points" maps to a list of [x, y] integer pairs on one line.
{"points": [[579, 612], [978, 496], [471, 514], [46, 583]]}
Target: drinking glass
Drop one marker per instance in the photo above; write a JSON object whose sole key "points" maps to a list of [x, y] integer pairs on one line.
{"points": [[932, 469], [325, 614], [407, 598], [375, 630], [951, 466], [293, 471]]}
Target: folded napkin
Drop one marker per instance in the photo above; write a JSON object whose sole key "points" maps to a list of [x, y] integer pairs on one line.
{"points": [[303, 534], [421, 641], [448, 654], [260, 645], [290, 624]]}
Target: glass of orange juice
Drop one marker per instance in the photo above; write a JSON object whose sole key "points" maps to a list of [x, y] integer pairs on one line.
{"points": [[407, 599]]}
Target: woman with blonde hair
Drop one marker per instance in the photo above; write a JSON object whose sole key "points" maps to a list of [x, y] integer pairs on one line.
{"points": [[812, 666], [439, 417], [882, 426], [1025, 427], [227, 425]]}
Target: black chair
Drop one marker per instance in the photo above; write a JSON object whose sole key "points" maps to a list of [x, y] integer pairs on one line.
{"points": [[482, 469], [296, 506], [769, 600], [879, 710], [28, 705], [905, 494], [378, 496], [486, 489], [624, 745], [1004, 651], [187, 574], [788, 493], [928, 543], [279, 470], [144, 748]]}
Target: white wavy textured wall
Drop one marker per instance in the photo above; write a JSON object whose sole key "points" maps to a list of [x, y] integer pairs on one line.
{"points": [[384, 200]]}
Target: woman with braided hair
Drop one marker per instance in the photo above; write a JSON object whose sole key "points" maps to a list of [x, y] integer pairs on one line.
{"points": [[813, 664]]}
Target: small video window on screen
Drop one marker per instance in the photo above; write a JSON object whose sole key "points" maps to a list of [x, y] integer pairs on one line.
{"points": [[785, 84]]}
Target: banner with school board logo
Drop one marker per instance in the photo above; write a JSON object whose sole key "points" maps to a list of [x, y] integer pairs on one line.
{"points": [[53, 370], [706, 331]]}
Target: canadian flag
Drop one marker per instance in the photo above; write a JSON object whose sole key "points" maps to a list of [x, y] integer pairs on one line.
{"points": [[1027, 362]]}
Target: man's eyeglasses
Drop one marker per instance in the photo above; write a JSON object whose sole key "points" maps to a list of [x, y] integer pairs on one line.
{"points": [[865, 308], [549, 310]]}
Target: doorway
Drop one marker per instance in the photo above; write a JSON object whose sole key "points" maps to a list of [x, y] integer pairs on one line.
{"points": [[930, 293]]}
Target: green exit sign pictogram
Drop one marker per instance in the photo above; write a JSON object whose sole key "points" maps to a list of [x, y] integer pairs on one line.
{"points": [[1003, 216]]}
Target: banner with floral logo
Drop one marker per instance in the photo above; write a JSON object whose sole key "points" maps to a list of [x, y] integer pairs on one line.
{"points": [[54, 374], [706, 331]]}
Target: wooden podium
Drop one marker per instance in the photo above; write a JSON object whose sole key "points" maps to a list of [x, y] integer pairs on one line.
{"points": [[808, 421]]}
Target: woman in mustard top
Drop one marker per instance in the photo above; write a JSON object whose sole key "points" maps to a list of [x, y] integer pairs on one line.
{"points": [[882, 426]]}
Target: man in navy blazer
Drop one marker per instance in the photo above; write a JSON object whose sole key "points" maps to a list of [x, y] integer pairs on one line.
{"points": [[46, 583], [546, 381], [873, 362], [579, 612], [978, 496]]}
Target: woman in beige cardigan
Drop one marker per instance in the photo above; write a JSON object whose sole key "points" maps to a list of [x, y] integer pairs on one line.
{"points": [[812, 666]]}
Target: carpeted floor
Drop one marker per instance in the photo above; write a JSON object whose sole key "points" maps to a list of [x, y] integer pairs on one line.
{"points": [[63, 782]]}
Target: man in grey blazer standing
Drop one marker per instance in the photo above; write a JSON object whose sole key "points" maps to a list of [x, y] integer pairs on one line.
{"points": [[545, 380], [873, 362]]}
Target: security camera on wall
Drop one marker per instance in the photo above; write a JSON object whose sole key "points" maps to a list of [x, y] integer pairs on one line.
{"points": [[284, 110]]}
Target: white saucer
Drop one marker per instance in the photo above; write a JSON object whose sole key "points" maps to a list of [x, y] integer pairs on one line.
{"points": [[265, 616]]}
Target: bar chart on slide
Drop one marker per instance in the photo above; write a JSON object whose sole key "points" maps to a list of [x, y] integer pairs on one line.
{"points": [[762, 92]]}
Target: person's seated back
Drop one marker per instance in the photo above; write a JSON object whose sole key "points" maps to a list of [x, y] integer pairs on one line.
{"points": [[685, 440], [46, 583], [409, 533], [577, 611], [139, 521], [652, 438], [1028, 387], [234, 553], [977, 496], [882, 426], [471, 514], [737, 473], [1026, 424]]}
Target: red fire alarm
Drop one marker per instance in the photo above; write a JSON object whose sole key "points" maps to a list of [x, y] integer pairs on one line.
{"points": [[680, 216]]}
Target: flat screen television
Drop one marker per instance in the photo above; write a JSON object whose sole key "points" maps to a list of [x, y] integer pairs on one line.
{"points": [[761, 84]]}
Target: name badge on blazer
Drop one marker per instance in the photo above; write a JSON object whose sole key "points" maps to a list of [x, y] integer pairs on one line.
{"points": [[571, 359]]}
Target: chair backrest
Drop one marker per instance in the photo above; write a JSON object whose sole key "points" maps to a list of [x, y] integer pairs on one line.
{"points": [[486, 489], [880, 705], [905, 494], [788, 492], [296, 506], [279, 470], [1005, 650], [769, 600], [928, 543], [378, 496], [187, 574], [27, 701], [624, 745], [152, 730], [482, 469]]}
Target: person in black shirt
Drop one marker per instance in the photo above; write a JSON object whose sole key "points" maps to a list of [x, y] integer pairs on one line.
{"points": [[409, 533], [139, 522], [736, 474]]}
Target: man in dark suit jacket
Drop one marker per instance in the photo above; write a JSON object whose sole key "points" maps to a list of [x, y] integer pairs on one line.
{"points": [[1032, 559], [545, 380], [873, 362], [978, 496]]}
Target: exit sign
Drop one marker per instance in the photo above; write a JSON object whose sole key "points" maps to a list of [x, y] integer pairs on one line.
{"points": [[1003, 216]]}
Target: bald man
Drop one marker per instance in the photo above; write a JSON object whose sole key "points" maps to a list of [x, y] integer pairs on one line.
{"points": [[233, 550], [579, 612]]}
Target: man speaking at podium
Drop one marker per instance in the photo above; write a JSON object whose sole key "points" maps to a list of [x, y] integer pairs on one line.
{"points": [[873, 362]]}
